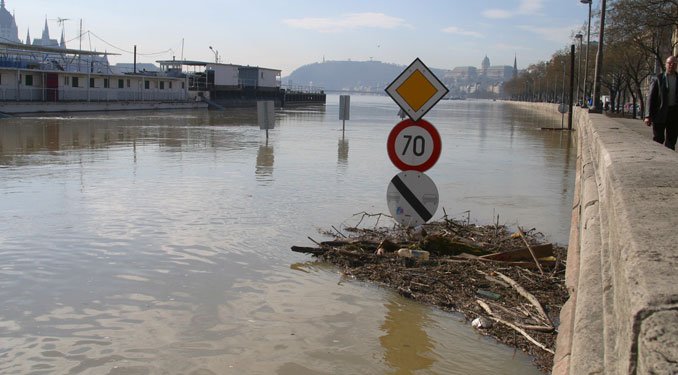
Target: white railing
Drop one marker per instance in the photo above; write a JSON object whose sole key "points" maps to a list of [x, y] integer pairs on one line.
{"points": [[91, 94], [303, 89]]}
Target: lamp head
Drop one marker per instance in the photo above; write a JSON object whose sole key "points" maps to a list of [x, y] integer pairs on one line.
{"points": [[578, 36], [585, 1]]}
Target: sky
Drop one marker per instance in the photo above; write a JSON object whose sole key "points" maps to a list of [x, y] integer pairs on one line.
{"points": [[287, 34]]}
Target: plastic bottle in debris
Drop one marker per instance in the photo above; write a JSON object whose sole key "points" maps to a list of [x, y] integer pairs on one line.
{"points": [[412, 253]]}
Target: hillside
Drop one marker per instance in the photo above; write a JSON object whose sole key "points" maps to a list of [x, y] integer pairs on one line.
{"points": [[365, 76]]}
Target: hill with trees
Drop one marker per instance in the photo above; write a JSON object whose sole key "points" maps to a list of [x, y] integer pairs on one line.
{"points": [[361, 76]]}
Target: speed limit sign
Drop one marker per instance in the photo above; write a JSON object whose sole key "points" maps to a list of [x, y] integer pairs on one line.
{"points": [[414, 145]]}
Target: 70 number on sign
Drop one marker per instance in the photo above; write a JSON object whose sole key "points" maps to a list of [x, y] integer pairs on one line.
{"points": [[414, 145], [418, 146]]}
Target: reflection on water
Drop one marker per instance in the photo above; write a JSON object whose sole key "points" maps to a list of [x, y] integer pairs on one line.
{"points": [[407, 345], [265, 160], [154, 242], [342, 152]]}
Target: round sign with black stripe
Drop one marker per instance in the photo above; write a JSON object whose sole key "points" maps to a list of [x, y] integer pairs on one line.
{"points": [[412, 198]]}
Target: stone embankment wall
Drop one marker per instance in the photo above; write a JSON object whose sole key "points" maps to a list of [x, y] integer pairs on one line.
{"points": [[622, 315]]}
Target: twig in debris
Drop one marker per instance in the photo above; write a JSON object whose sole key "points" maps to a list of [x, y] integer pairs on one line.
{"points": [[516, 315], [444, 283], [522, 235], [529, 296], [555, 267], [511, 325], [495, 280], [341, 234], [364, 214], [496, 227], [309, 250], [314, 241]]}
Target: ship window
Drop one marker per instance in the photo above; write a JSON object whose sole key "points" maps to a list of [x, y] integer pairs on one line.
{"points": [[128, 83], [183, 85], [91, 82], [29, 80], [121, 83], [75, 82], [106, 83], [147, 85], [162, 85], [170, 85]]}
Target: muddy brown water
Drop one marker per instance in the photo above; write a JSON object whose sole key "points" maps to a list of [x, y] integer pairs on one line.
{"points": [[159, 242]]}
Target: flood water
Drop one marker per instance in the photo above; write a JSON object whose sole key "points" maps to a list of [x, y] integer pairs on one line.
{"points": [[159, 242]]}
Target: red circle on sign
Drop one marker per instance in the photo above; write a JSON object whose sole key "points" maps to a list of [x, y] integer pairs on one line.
{"points": [[393, 138]]}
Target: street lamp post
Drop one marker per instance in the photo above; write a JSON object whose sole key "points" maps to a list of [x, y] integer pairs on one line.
{"points": [[579, 37], [597, 105], [562, 95], [216, 54], [562, 98], [588, 42]]}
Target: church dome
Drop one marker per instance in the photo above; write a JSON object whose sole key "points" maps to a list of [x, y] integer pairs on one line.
{"points": [[486, 63]]}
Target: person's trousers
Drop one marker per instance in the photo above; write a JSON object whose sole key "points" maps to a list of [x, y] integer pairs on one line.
{"points": [[667, 133]]}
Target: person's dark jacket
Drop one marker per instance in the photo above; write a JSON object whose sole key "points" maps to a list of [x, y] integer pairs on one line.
{"points": [[657, 106]]}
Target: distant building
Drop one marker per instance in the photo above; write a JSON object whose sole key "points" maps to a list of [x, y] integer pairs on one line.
{"points": [[487, 78], [485, 64], [501, 73], [464, 72], [9, 33], [46, 41]]}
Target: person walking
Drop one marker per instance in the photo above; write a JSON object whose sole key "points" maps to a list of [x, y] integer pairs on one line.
{"points": [[662, 106]]}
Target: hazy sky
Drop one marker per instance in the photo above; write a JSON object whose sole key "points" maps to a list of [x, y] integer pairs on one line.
{"points": [[286, 34]]}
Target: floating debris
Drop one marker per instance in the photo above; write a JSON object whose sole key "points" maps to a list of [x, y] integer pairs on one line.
{"points": [[512, 279]]}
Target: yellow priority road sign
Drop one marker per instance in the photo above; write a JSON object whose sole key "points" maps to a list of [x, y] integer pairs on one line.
{"points": [[416, 90]]}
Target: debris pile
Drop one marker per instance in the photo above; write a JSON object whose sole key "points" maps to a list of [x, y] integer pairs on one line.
{"points": [[509, 284]]}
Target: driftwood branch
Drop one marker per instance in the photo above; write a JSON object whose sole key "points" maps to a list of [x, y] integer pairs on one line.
{"points": [[529, 296], [488, 310], [522, 235], [338, 231]]}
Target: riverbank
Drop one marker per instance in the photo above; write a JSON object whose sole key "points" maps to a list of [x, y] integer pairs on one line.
{"points": [[511, 282]]}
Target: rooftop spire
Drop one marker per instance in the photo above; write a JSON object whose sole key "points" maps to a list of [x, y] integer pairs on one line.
{"points": [[45, 31], [28, 35]]}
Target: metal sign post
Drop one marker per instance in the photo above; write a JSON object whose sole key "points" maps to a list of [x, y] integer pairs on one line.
{"points": [[344, 110], [265, 115]]}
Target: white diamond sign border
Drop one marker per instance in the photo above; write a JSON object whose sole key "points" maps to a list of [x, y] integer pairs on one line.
{"points": [[440, 87]]}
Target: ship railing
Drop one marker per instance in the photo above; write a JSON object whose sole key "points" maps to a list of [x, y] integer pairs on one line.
{"points": [[33, 94], [297, 89]]}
